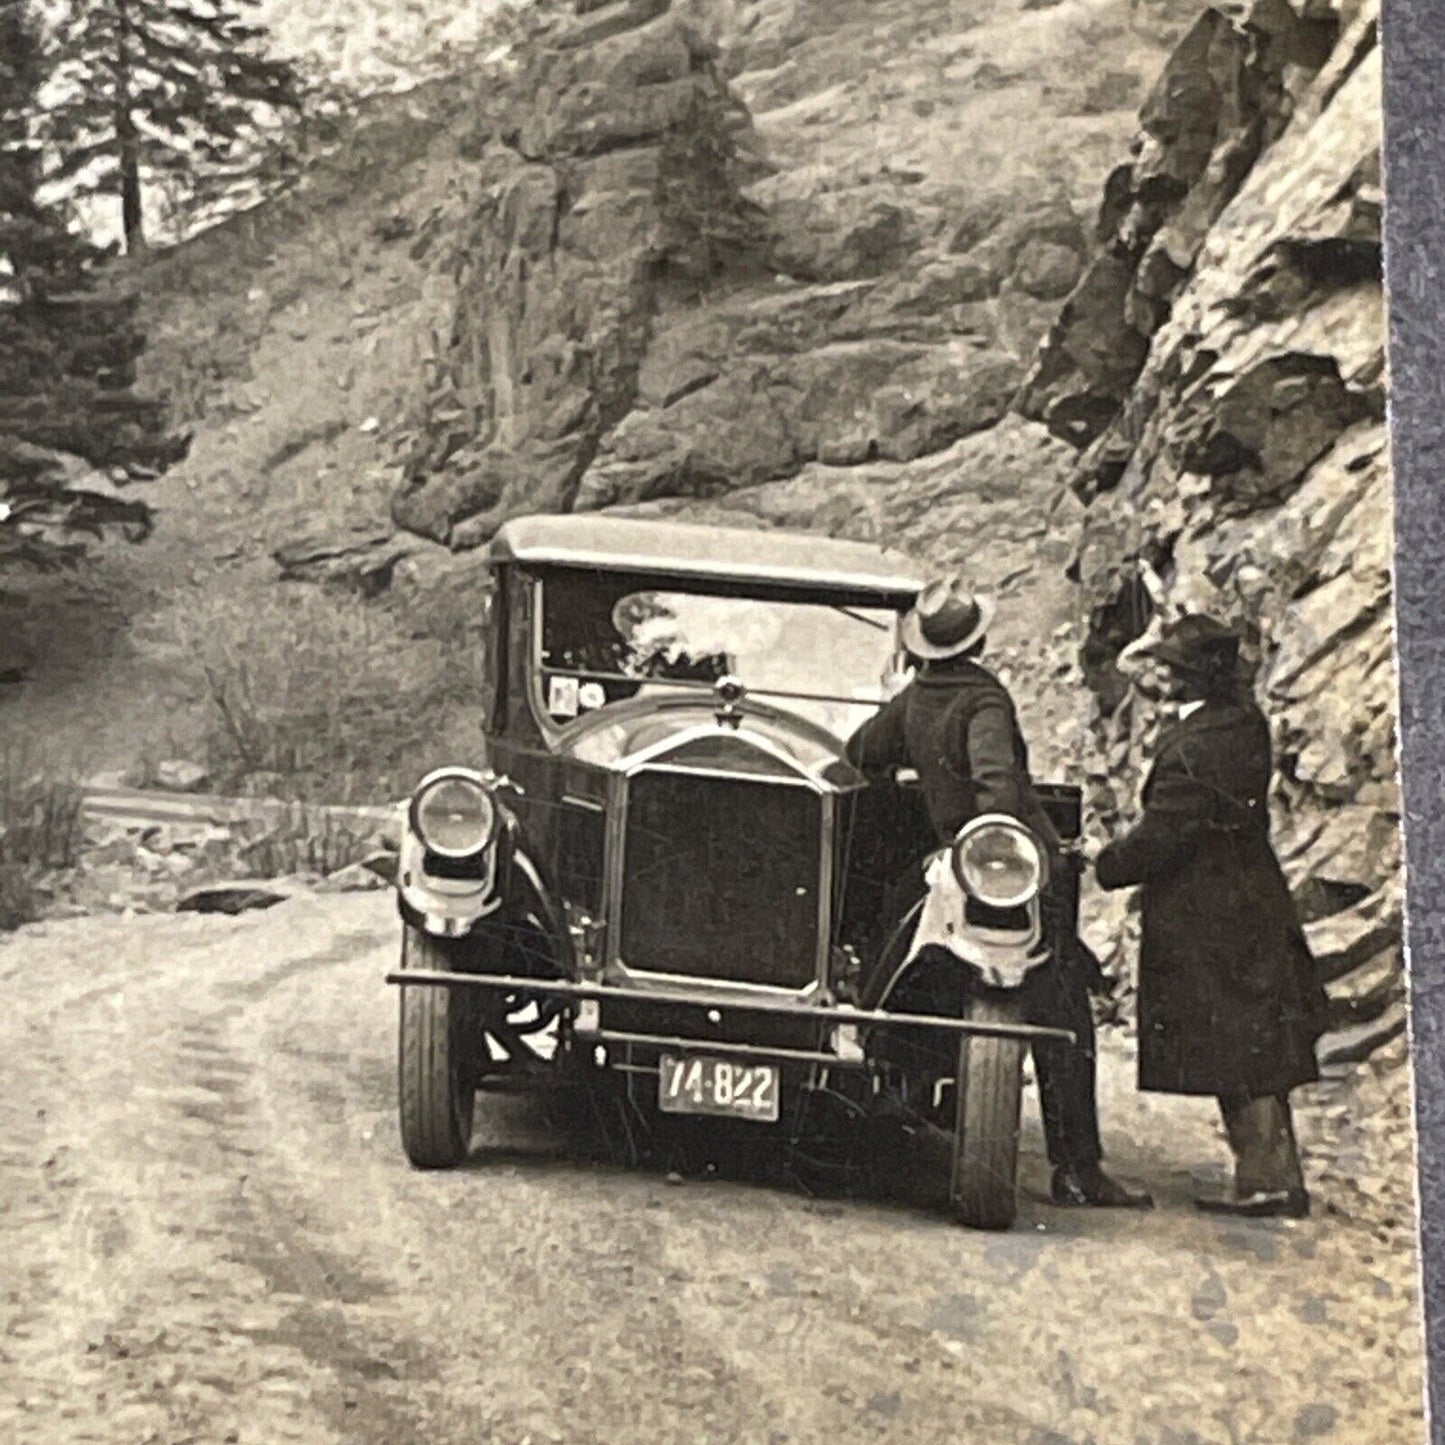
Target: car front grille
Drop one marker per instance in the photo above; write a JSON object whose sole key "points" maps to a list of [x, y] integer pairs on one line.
{"points": [[721, 878]]}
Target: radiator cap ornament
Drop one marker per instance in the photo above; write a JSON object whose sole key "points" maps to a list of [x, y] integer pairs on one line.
{"points": [[729, 691]]}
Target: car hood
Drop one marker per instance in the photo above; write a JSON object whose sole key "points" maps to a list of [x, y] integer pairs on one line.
{"points": [[766, 741]]}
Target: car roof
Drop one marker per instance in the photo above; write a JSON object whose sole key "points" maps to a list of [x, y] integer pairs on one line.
{"points": [[767, 559]]}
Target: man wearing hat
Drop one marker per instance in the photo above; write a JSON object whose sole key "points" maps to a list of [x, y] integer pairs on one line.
{"points": [[956, 726], [1230, 1003]]}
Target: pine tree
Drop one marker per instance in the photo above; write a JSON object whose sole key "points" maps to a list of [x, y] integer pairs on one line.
{"points": [[163, 91], [27, 230], [67, 352]]}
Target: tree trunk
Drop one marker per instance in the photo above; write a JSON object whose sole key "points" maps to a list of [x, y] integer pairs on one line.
{"points": [[127, 141], [132, 216]]}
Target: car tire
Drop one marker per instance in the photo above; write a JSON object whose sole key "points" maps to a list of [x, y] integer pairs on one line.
{"points": [[984, 1192], [438, 1061]]}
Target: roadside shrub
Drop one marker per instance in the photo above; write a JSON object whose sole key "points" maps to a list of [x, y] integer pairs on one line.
{"points": [[307, 840], [313, 695], [40, 832], [19, 900]]}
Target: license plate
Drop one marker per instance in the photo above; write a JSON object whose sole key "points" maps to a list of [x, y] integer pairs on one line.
{"points": [[698, 1085]]}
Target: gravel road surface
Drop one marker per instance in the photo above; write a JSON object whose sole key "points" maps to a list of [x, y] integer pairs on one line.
{"points": [[208, 1233]]}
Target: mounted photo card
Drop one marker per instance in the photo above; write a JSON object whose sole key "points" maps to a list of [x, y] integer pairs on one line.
{"points": [[700, 720]]}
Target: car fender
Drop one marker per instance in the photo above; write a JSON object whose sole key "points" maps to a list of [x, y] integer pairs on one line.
{"points": [[533, 897], [453, 907], [518, 895], [993, 960]]}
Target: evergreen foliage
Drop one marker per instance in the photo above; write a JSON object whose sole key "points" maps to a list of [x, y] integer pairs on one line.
{"points": [[72, 429], [146, 93]]}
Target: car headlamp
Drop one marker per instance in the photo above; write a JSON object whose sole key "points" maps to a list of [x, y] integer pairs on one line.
{"points": [[454, 816], [999, 862]]}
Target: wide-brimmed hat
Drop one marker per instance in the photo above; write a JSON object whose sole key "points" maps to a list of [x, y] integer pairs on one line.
{"points": [[948, 617], [1196, 644]]}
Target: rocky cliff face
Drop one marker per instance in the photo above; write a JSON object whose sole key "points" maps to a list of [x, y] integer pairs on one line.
{"points": [[605, 181], [1221, 365], [847, 266], [715, 244]]}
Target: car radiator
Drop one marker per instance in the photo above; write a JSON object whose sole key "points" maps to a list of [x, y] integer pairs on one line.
{"points": [[721, 878]]}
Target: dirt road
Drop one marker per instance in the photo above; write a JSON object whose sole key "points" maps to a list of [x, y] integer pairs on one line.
{"points": [[208, 1233]]}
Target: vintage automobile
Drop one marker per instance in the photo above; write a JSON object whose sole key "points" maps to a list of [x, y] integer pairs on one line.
{"points": [[661, 870]]}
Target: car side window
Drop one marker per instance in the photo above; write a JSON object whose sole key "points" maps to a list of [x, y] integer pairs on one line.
{"points": [[518, 720], [494, 651]]}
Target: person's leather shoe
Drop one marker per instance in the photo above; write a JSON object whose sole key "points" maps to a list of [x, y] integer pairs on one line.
{"points": [[1259, 1204], [1093, 1188]]}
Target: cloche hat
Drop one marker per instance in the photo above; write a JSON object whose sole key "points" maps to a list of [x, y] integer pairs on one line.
{"points": [[1196, 643]]}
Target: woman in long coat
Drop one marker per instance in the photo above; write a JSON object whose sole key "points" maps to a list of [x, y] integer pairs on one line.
{"points": [[1230, 1003]]}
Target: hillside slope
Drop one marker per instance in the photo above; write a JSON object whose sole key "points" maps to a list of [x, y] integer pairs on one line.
{"points": [[331, 348], [862, 268], [285, 337], [714, 245]]}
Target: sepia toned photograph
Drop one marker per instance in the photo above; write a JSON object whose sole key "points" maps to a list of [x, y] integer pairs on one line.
{"points": [[698, 726]]}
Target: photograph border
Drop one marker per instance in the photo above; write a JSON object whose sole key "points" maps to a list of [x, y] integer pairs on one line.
{"points": [[1413, 36]]}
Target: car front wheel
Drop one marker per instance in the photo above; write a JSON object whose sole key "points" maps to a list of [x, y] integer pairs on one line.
{"points": [[438, 1060], [984, 1193]]}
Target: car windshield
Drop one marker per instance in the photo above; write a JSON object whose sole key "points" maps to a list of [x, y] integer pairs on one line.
{"points": [[608, 637]]}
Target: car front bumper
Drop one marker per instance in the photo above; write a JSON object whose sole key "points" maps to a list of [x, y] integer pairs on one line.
{"points": [[843, 1022]]}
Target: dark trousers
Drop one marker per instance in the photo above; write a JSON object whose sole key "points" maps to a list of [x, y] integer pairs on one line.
{"points": [[1057, 996], [1261, 1138]]}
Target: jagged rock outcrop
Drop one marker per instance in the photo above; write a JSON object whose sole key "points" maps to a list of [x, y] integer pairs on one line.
{"points": [[1221, 365], [1223, 98], [363, 561], [666, 288], [608, 183]]}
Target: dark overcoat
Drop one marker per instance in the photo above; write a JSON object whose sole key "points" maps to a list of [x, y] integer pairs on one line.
{"points": [[1230, 1002], [955, 724]]}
